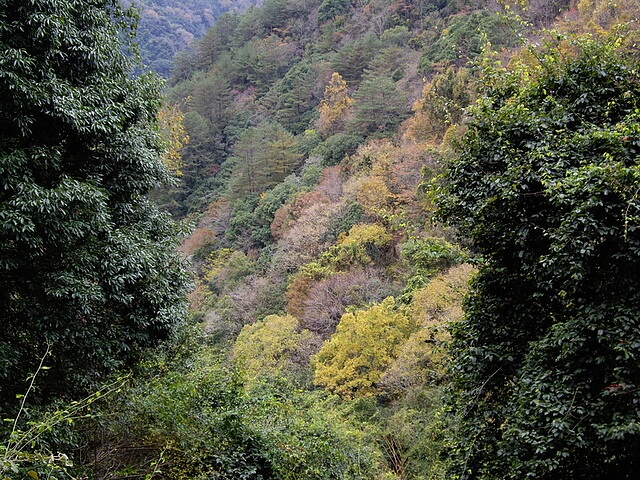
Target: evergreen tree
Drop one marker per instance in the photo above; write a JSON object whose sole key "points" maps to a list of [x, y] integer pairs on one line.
{"points": [[294, 97], [546, 182], [211, 102], [379, 105], [283, 155], [249, 160], [262, 158], [355, 56], [88, 268], [217, 40]]}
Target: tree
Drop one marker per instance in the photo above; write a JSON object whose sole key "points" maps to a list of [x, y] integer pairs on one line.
{"points": [[319, 303], [354, 57], [334, 105], [88, 267], [217, 40], [198, 421], [330, 9], [354, 359], [542, 13], [269, 347], [262, 61], [364, 244], [170, 118], [442, 104], [464, 37], [249, 158], [294, 97], [379, 105], [264, 156], [283, 155], [545, 183], [422, 360]]}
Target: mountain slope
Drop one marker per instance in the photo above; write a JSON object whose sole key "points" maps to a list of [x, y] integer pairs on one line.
{"points": [[168, 27]]}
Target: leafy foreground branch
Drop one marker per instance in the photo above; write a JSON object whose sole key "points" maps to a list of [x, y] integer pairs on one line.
{"points": [[28, 451], [88, 265], [545, 182]]}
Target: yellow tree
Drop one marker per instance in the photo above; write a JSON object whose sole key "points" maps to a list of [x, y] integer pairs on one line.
{"points": [[602, 16], [364, 244], [334, 106], [422, 359], [268, 347], [442, 105], [175, 136], [353, 360]]}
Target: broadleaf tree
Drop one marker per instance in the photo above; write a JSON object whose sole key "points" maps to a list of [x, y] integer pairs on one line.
{"points": [[546, 184], [354, 359], [88, 266]]}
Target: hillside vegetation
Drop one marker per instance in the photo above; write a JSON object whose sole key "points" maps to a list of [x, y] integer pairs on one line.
{"points": [[356, 176], [167, 28]]}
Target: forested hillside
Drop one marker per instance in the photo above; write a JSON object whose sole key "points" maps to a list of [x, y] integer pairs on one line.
{"points": [[413, 234], [168, 27]]}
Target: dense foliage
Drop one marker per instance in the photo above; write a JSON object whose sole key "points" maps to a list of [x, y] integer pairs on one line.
{"points": [[545, 183], [88, 268], [330, 73], [310, 138], [167, 28]]}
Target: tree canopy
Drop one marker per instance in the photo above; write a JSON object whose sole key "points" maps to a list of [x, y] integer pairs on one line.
{"points": [[88, 269], [545, 183], [352, 362], [327, 336]]}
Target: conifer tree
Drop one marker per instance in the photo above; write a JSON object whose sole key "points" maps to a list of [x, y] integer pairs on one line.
{"points": [[263, 157], [379, 105]]}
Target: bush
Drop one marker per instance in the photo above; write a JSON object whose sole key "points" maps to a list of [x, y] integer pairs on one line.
{"points": [[197, 422]]}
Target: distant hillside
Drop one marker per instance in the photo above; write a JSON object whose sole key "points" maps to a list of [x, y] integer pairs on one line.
{"points": [[272, 65], [169, 26]]}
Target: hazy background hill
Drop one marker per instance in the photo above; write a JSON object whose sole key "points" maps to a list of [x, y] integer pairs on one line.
{"points": [[169, 26]]}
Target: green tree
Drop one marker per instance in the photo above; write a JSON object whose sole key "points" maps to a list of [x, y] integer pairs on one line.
{"points": [[217, 40], [262, 61], [294, 97], [465, 36], [88, 266], [354, 57], [282, 155], [248, 160], [212, 99], [262, 158], [330, 9], [210, 113], [379, 105], [209, 427], [546, 184]]}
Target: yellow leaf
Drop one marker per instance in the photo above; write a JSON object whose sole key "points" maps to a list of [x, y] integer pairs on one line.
{"points": [[33, 475]]}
